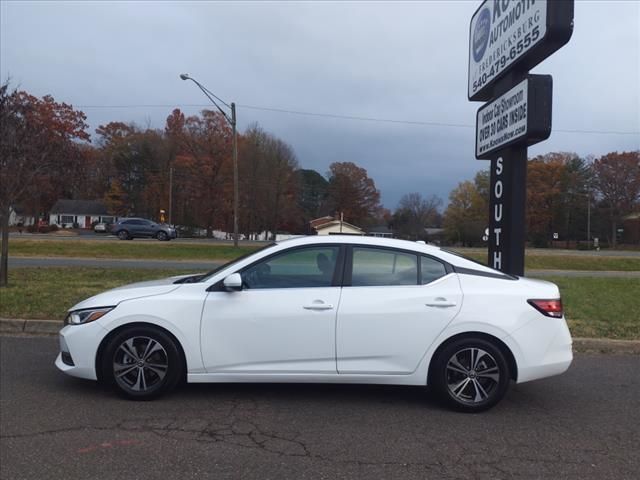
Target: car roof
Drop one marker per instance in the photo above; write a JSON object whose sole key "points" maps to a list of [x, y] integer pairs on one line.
{"points": [[418, 247], [360, 240]]}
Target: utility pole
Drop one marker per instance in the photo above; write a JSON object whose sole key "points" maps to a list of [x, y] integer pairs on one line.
{"points": [[589, 219], [235, 174], [170, 195]]}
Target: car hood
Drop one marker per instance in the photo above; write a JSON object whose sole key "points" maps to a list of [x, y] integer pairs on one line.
{"points": [[129, 292]]}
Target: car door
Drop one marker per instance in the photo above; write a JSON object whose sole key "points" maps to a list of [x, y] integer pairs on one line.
{"points": [[283, 319], [393, 306], [133, 227], [146, 228]]}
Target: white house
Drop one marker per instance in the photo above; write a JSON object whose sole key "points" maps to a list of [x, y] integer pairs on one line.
{"points": [[19, 218], [332, 226], [66, 213]]}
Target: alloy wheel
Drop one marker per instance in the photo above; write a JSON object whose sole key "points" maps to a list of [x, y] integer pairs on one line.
{"points": [[472, 375], [140, 364]]}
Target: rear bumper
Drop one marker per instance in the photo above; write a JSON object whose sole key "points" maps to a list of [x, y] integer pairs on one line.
{"points": [[545, 348], [78, 348]]}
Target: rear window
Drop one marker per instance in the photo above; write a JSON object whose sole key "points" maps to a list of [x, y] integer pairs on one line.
{"points": [[378, 267]]}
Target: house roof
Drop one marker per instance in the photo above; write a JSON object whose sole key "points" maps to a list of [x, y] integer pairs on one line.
{"points": [[320, 221], [18, 209], [83, 207], [336, 222]]}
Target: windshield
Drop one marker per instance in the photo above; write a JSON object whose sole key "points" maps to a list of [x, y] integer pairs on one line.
{"points": [[208, 275]]}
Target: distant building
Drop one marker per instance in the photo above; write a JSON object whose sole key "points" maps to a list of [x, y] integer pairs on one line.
{"points": [[333, 226], [434, 235], [84, 213], [380, 231], [18, 217]]}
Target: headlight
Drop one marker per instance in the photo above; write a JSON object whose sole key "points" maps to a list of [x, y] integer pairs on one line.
{"points": [[79, 317]]}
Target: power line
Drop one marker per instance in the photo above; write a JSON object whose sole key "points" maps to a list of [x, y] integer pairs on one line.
{"points": [[347, 117]]}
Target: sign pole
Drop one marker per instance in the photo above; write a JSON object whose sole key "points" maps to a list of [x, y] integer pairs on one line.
{"points": [[507, 210], [508, 197], [506, 39]]}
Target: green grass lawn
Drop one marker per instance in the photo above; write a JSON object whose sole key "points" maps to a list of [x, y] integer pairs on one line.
{"points": [[569, 262], [47, 292], [601, 307], [19, 247], [595, 307]]}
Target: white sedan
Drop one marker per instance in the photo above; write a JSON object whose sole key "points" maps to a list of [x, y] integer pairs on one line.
{"points": [[340, 309]]}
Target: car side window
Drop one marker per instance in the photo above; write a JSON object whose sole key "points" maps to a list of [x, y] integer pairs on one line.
{"points": [[299, 268], [129, 222], [431, 269], [377, 267]]}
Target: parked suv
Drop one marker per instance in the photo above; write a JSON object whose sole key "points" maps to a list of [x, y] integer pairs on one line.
{"points": [[130, 228]]}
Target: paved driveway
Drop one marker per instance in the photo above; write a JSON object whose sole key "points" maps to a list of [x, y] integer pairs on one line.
{"points": [[581, 425]]}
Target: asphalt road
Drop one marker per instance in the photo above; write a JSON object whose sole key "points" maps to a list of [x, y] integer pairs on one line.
{"points": [[89, 235], [204, 266], [189, 266], [581, 425]]}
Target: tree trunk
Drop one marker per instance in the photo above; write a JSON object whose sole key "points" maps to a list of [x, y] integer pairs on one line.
{"points": [[4, 256], [614, 232]]}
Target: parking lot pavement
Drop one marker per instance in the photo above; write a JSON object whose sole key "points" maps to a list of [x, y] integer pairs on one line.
{"points": [[581, 425]]}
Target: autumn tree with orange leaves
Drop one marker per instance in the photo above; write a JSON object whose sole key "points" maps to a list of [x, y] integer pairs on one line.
{"points": [[38, 136]]}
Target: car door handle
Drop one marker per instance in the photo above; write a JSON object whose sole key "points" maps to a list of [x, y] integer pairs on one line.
{"points": [[441, 303], [318, 306]]}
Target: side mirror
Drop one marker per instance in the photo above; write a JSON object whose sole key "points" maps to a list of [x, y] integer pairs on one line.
{"points": [[233, 282]]}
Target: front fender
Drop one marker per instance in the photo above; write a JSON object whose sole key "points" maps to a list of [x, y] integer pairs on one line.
{"points": [[188, 342]]}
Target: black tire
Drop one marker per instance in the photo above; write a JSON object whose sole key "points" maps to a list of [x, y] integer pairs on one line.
{"points": [[123, 235], [470, 374], [162, 236], [139, 378]]}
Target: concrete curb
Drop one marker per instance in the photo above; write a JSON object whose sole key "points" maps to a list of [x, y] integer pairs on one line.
{"points": [[583, 345], [32, 327]]}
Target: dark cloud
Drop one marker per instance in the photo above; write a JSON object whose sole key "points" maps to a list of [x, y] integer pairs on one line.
{"points": [[385, 60]]}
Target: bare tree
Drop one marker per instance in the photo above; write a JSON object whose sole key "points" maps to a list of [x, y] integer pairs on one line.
{"points": [[617, 178], [414, 214]]}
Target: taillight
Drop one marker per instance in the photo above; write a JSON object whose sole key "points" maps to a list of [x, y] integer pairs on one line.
{"points": [[550, 308]]}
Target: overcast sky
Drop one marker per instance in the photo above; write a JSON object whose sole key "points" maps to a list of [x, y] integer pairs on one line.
{"points": [[385, 60]]}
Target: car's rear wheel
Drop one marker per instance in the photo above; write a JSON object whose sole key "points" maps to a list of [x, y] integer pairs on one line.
{"points": [[162, 236], [142, 363], [470, 374], [123, 235]]}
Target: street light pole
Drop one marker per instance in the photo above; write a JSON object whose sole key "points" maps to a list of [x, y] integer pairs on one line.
{"points": [[232, 122]]}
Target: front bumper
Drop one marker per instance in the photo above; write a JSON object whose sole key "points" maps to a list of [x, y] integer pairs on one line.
{"points": [[78, 348], [545, 348]]}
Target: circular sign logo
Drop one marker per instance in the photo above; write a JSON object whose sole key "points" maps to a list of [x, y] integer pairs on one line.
{"points": [[481, 34]]}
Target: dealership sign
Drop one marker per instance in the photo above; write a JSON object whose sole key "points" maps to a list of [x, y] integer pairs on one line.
{"points": [[506, 39], [522, 114], [508, 34]]}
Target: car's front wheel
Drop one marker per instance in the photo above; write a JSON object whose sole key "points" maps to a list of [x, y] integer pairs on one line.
{"points": [[142, 363], [162, 236], [470, 374], [123, 235]]}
